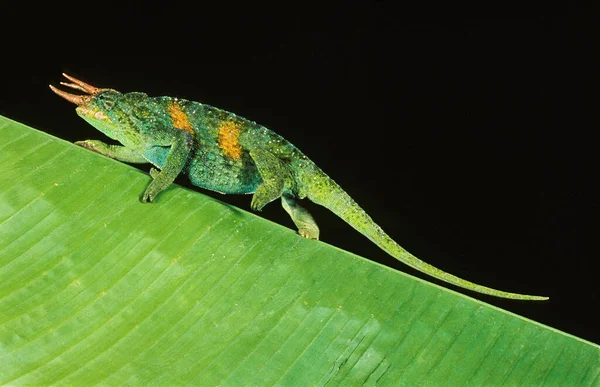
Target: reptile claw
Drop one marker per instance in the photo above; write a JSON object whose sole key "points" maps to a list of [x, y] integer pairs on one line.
{"points": [[147, 198]]}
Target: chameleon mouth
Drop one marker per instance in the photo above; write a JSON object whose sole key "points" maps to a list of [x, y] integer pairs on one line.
{"points": [[91, 113], [77, 85]]}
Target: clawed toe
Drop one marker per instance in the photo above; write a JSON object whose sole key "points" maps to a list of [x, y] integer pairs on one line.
{"points": [[309, 233]]}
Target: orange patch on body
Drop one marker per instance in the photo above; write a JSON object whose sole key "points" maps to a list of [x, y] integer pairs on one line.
{"points": [[229, 134], [180, 119]]}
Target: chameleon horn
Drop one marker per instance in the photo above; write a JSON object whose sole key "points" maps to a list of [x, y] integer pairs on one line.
{"points": [[73, 86], [80, 85], [76, 99]]}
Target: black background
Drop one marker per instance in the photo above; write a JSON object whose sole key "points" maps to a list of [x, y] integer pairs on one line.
{"points": [[467, 134]]}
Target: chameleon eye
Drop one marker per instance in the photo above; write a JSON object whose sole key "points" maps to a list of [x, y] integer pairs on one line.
{"points": [[106, 102]]}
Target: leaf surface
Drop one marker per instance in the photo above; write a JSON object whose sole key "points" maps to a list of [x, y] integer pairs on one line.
{"points": [[96, 287]]}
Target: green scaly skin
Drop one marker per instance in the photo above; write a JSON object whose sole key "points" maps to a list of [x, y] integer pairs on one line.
{"points": [[250, 160]]}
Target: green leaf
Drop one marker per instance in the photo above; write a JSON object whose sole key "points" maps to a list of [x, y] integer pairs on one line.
{"points": [[96, 287]]}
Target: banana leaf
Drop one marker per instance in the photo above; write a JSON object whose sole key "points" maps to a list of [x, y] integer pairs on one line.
{"points": [[98, 288]]}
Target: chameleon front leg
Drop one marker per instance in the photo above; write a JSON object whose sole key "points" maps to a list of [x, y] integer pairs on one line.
{"points": [[181, 145], [307, 227], [117, 152]]}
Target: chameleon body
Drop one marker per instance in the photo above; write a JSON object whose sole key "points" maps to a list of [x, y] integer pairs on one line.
{"points": [[223, 152]]}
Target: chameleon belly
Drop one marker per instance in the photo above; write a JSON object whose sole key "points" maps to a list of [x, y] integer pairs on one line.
{"points": [[222, 174], [220, 162]]}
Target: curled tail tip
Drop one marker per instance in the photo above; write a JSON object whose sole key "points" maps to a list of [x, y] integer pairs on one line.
{"points": [[525, 297], [538, 298]]}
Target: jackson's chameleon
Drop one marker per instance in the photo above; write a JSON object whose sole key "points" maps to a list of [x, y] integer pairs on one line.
{"points": [[223, 152]]}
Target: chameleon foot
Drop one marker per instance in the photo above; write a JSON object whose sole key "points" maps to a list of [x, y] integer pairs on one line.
{"points": [[309, 233], [307, 227]]}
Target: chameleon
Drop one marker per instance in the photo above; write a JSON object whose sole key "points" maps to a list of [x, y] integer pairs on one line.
{"points": [[223, 152]]}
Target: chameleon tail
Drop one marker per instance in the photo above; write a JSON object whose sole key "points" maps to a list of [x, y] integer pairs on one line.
{"points": [[326, 192]]}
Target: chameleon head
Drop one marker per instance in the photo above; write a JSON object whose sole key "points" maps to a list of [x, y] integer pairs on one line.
{"points": [[105, 109]]}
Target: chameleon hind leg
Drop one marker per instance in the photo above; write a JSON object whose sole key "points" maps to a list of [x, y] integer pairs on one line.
{"points": [[117, 152], [273, 174], [307, 227]]}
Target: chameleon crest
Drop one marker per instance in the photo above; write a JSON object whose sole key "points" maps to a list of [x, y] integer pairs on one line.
{"points": [[223, 152]]}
